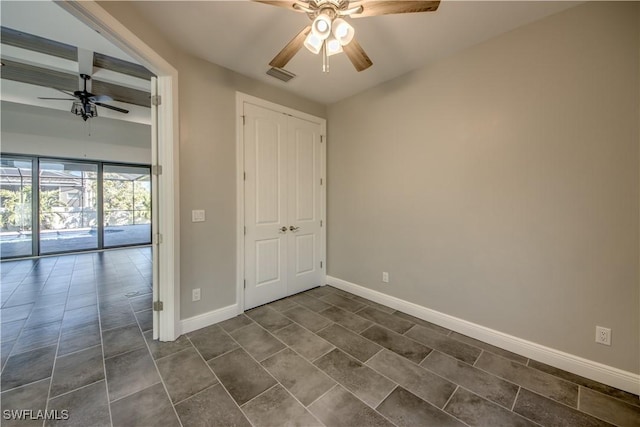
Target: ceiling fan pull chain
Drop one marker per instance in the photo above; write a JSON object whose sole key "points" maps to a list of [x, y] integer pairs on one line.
{"points": [[325, 58]]}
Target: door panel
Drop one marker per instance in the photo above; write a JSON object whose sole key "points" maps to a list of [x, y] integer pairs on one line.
{"points": [[265, 137], [304, 205]]}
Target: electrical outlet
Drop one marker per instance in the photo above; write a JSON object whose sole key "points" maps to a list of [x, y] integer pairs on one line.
{"points": [[603, 335], [385, 277], [195, 294], [197, 215]]}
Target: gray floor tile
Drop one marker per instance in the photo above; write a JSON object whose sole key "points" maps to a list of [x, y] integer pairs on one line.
{"points": [[79, 301], [532, 379], [88, 406], [302, 379], [340, 408], [283, 304], [142, 303], [318, 292], [28, 367], [313, 304], [387, 320], [79, 317], [19, 297], [268, 318], [368, 385], [307, 344], [148, 407], [212, 341], [444, 344], [161, 349], [185, 374], [257, 342], [594, 385], [40, 336], [242, 376], [490, 348], [209, 408], [276, 407], [121, 340], [77, 370], [397, 343], [347, 319], [353, 344], [145, 320], [550, 413], [5, 351], [130, 372], [307, 318], [478, 381], [607, 408], [235, 323], [476, 411], [79, 339], [49, 300], [406, 409], [29, 397], [380, 307], [422, 383], [343, 302], [115, 317], [11, 330]]}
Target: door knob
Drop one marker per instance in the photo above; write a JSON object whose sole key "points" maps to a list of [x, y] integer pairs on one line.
{"points": [[292, 228], [283, 229]]}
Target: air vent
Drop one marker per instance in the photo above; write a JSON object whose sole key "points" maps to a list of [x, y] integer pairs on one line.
{"points": [[281, 74]]}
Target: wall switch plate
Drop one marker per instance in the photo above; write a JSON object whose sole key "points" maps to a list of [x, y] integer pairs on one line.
{"points": [[195, 294], [603, 335], [197, 215], [385, 277]]}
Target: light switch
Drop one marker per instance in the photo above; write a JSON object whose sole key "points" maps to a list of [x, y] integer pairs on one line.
{"points": [[197, 215]]}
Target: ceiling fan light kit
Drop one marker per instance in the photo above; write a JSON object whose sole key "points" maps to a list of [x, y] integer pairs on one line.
{"points": [[330, 33]]}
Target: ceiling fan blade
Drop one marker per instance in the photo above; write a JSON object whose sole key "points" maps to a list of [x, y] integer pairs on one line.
{"points": [[287, 4], [289, 51], [111, 107], [375, 8], [58, 99], [100, 98], [66, 92], [357, 56]]}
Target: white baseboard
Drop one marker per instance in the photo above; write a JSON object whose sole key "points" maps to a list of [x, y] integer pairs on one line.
{"points": [[206, 319], [611, 376]]}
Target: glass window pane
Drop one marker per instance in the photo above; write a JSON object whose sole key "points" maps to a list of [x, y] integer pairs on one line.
{"points": [[15, 207], [127, 205], [68, 201]]}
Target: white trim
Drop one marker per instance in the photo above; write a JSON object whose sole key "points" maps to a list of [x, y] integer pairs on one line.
{"points": [[241, 98], [207, 319], [94, 16], [609, 375]]}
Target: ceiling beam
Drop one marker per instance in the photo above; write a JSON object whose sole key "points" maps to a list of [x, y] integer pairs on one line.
{"points": [[23, 40], [120, 66]]}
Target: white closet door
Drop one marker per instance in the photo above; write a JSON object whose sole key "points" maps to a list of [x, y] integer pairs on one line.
{"points": [[304, 205], [266, 152]]}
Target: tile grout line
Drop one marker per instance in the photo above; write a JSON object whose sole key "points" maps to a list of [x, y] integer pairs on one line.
{"points": [[449, 398], [516, 399], [217, 378]]}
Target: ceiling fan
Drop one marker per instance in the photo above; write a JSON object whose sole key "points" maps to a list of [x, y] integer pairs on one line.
{"points": [[84, 102], [330, 33]]}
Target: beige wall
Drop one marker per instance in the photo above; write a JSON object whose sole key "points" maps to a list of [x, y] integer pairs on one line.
{"points": [[207, 163], [500, 185], [46, 132]]}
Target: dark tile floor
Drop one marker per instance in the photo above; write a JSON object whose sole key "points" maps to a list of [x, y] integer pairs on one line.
{"points": [[76, 336]]}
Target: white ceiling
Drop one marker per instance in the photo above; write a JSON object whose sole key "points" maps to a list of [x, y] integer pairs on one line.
{"points": [[244, 36]]}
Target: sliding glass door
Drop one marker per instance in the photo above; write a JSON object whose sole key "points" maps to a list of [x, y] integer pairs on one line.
{"points": [[68, 206], [127, 205], [16, 207], [50, 206]]}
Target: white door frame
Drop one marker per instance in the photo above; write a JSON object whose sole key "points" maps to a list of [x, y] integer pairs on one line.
{"points": [[167, 270], [241, 98]]}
